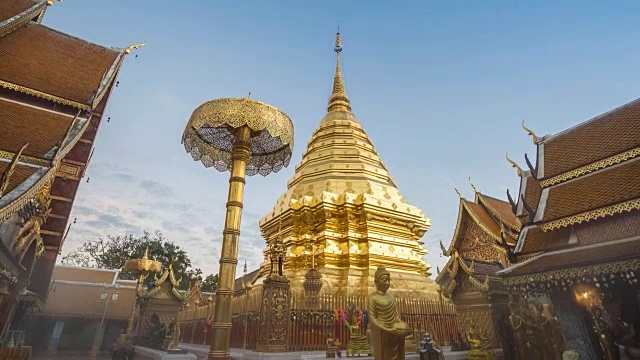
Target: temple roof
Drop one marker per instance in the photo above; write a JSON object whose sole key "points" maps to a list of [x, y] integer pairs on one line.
{"points": [[11, 8], [483, 212], [248, 278], [605, 135], [599, 189], [584, 174], [46, 63], [41, 129]]}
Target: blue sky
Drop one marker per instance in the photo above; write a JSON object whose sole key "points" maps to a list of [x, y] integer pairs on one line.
{"points": [[440, 87]]}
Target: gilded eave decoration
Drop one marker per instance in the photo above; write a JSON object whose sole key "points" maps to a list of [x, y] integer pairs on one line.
{"points": [[43, 95], [566, 277], [592, 215], [160, 282], [457, 262]]}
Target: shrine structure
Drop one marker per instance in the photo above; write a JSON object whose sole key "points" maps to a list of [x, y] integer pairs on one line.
{"points": [[477, 252], [578, 251], [54, 89], [344, 213]]}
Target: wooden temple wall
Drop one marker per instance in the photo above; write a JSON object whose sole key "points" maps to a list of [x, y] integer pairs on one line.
{"points": [[310, 327]]}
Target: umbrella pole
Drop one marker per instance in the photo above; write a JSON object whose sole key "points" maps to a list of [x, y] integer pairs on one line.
{"points": [[221, 325]]}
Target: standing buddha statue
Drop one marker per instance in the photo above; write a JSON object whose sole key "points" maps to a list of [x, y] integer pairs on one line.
{"points": [[388, 331]]}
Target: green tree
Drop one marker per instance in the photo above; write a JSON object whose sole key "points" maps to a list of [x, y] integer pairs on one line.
{"points": [[112, 252], [210, 283]]}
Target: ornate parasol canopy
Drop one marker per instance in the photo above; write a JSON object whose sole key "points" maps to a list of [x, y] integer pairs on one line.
{"points": [[210, 134], [142, 266]]}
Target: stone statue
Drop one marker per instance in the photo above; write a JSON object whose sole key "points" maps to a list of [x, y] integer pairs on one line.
{"points": [[387, 330], [610, 350], [515, 319]]}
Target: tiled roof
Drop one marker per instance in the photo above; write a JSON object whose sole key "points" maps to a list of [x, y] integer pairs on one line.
{"points": [[606, 187], [237, 285], [484, 217], [601, 137], [532, 194], [43, 59], [20, 174], [482, 267], [83, 274], [83, 300], [537, 240], [20, 124], [579, 256], [503, 208], [11, 8]]}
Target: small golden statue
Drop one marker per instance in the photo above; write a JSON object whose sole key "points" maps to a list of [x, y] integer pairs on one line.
{"points": [[175, 340], [358, 344], [479, 344], [555, 333], [388, 331], [610, 350], [518, 331]]}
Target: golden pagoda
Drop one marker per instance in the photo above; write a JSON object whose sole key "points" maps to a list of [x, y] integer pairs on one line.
{"points": [[343, 212]]}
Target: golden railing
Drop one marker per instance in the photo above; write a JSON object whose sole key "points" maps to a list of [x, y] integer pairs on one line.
{"points": [[310, 327]]}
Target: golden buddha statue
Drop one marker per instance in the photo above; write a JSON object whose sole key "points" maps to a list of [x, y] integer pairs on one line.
{"points": [[553, 329], [518, 331], [479, 344], [388, 332]]}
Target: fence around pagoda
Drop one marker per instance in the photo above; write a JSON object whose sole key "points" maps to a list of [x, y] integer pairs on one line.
{"points": [[310, 327]]}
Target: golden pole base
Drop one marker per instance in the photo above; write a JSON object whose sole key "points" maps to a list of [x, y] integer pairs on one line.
{"points": [[221, 325]]}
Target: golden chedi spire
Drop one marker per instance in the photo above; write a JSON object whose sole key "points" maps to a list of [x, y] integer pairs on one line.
{"points": [[343, 201], [339, 100]]}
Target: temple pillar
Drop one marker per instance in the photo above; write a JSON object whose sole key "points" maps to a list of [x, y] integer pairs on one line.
{"points": [[55, 337], [274, 315]]}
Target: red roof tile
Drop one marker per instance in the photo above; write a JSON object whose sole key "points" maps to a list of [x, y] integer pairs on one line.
{"points": [[11, 8], [83, 274], [45, 60], [20, 124], [484, 217], [20, 174], [606, 187], [502, 208], [538, 240], [596, 139]]}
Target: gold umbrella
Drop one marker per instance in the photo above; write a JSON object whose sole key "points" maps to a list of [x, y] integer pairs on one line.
{"points": [[247, 137]]}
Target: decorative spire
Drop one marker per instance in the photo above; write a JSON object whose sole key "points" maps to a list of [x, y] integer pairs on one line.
{"points": [[531, 133], [146, 253], [513, 164], [339, 101], [473, 186]]}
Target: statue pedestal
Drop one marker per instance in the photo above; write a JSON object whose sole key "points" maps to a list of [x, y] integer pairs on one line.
{"points": [[274, 314], [144, 353]]}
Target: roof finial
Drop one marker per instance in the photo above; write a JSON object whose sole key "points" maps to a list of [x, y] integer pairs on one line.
{"points": [[249, 96], [473, 186], [146, 253], [530, 132], [456, 189], [137, 46], [339, 100], [513, 163]]}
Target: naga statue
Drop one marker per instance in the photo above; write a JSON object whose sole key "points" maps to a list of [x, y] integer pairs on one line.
{"points": [[122, 349], [388, 331]]}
